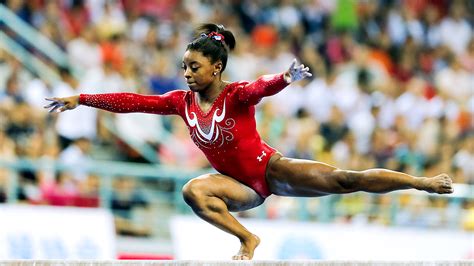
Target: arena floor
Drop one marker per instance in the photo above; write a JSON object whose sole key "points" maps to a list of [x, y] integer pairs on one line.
{"points": [[224, 263]]}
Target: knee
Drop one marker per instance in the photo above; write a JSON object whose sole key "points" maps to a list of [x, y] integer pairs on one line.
{"points": [[193, 191], [347, 181]]}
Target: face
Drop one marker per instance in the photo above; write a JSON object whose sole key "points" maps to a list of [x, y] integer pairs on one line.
{"points": [[198, 70]]}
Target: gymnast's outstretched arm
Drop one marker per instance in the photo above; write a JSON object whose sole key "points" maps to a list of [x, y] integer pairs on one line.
{"points": [[268, 85], [121, 102]]}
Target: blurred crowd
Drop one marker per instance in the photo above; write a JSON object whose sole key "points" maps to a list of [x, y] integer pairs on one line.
{"points": [[392, 86]]}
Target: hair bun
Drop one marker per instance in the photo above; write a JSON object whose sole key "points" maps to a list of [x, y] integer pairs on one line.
{"points": [[208, 28]]}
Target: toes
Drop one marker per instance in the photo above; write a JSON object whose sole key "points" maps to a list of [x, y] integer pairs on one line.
{"points": [[240, 257], [446, 189], [446, 176]]}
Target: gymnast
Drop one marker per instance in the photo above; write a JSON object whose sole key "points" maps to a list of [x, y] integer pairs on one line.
{"points": [[220, 116]]}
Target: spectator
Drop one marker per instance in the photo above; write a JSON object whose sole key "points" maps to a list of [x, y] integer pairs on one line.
{"points": [[464, 159], [11, 94], [85, 44], [63, 191], [455, 74], [335, 129], [125, 201], [73, 126], [76, 157], [456, 25], [163, 77], [179, 151], [467, 58]]}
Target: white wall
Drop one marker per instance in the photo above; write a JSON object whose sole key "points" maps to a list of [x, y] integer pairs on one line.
{"points": [[195, 239], [40, 232]]}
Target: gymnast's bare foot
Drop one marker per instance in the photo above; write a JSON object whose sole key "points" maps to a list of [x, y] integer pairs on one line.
{"points": [[247, 248], [441, 184]]}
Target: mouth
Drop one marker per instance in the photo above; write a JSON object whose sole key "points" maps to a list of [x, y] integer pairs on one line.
{"points": [[191, 85]]}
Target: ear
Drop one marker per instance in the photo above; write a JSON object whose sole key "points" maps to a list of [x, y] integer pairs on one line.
{"points": [[218, 67]]}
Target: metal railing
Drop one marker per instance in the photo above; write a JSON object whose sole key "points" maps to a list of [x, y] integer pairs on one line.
{"points": [[41, 43], [326, 209], [33, 36], [32, 63], [107, 170]]}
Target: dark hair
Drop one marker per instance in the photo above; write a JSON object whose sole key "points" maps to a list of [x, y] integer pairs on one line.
{"points": [[213, 49]]}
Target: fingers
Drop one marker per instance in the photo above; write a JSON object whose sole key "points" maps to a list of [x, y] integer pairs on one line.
{"points": [[302, 68], [298, 72], [63, 108], [56, 107], [54, 102], [292, 66], [303, 72], [49, 105]]}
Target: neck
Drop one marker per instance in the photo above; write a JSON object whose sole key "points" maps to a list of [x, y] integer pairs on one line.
{"points": [[212, 92]]}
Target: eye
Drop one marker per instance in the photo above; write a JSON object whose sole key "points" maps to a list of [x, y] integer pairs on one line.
{"points": [[194, 69], [183, 66]]}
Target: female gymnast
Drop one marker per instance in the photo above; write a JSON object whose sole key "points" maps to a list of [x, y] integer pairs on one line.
{"points": [[220, 118]]}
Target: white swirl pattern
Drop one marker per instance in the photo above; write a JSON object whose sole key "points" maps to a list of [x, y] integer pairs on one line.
{"points": [[211, 138]]}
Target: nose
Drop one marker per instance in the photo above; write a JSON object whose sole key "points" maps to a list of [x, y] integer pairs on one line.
{"points": [[187, 73]]}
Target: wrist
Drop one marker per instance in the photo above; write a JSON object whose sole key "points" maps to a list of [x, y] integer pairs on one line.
{"points": [[287, 77], [80, 99], [419, 183]]}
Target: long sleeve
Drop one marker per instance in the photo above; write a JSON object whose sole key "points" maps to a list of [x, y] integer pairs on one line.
{"points": [[267, 85], [165, 104]]}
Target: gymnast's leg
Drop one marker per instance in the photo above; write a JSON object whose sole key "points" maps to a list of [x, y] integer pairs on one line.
{"points": [[295, 177], [212, 196]]}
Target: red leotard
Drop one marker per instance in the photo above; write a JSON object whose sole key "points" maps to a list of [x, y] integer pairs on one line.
{"points": [[226, 133]]}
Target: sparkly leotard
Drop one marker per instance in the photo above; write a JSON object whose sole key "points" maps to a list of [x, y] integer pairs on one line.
{"points": [[226, 133]]}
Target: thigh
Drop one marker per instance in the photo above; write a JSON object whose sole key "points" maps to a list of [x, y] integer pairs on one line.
{"points": [[301, 178], [237, 196]]}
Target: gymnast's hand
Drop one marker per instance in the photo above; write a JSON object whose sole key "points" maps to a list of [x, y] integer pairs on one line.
{"points": [[296, 73], [62, 104]]}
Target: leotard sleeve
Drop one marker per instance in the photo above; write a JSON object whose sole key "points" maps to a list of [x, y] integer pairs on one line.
{"points": [[165, 104], [267, 85]]}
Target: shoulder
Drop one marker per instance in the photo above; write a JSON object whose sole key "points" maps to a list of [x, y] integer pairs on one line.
{"points": [[177, 94], [236, 90], [233, 88], [237, 85], [178, 98]]}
